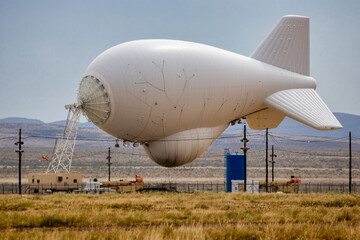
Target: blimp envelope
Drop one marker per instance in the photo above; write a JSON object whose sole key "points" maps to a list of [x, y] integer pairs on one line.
{"points": [[176, 97]]}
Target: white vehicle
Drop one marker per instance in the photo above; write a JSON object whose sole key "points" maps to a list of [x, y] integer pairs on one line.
{"points": [[93, 186], [176, 97]]}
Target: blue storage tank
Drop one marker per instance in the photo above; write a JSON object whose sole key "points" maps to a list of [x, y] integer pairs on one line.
{"points": [[234, 169]]}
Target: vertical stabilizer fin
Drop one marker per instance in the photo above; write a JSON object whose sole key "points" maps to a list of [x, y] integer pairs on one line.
{"points": [[287, 46], [305, 106]]}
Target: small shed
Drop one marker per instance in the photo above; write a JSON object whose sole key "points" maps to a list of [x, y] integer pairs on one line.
{"points": [[54, 181]]}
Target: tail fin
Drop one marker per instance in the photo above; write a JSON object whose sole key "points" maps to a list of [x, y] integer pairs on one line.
{"points": [[287, 46]]}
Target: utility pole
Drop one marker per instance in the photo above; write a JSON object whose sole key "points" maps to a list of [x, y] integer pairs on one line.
{"points": [[349, 162], [266, 159], [272, 162], [109, 163], [245, 149], [19, 143]]}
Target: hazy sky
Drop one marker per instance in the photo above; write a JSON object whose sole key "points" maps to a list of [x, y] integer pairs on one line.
{"points": [[45, 46]]}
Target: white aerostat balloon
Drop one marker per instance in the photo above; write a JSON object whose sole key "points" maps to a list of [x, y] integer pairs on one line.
{"points": [[177, 97]]}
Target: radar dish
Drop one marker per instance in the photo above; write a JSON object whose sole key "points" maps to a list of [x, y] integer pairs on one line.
{"points": [[94, 100]]}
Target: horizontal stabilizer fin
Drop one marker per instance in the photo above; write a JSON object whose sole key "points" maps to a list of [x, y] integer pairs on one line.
{"points": [[287, 46], [305, 106], [268, 118]]}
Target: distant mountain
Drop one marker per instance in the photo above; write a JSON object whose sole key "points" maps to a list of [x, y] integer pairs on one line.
{"points": [[44, 135], [350, 122], [19, 120], [36, 121], [290, 134], [81, 125]]}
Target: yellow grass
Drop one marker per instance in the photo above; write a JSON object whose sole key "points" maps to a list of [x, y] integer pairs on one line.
{"points": [[180, 216]]}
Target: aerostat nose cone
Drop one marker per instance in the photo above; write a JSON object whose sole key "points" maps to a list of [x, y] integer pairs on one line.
{"points": [[94, 100]]}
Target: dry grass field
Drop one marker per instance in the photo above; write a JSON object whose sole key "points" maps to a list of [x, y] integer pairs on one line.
{"points": [[180, 216]]}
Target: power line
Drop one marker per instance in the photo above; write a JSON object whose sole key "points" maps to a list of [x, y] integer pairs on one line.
{"points": [[78, 139], [228, 136], [8, 137]]}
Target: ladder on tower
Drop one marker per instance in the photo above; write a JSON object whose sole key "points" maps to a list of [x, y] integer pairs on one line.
{"points": [[65, 144]]}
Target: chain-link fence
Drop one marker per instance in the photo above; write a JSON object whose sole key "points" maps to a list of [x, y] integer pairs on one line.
{"points": [[12, 188]]}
